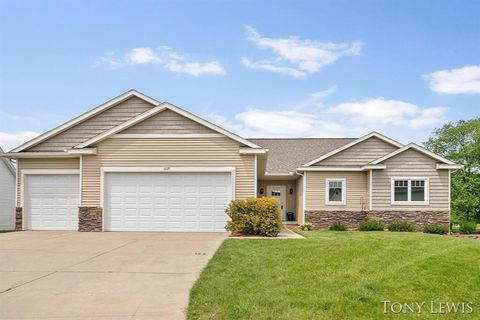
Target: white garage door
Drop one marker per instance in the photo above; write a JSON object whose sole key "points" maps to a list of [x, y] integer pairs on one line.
{"points": [[157, 201], [51, 201]]}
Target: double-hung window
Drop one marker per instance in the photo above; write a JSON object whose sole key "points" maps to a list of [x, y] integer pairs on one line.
{"points": [[410, 191], [335, 191]]}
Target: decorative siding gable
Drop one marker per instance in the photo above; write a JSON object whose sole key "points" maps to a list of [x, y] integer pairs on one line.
{"points": [[359, 154], [94, 126], [410, 163], [167, 122]]}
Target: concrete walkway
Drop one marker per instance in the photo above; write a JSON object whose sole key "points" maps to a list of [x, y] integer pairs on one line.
{"points": [[111, 275]]}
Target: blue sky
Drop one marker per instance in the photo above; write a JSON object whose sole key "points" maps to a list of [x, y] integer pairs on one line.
{"points": [[263, 68]]}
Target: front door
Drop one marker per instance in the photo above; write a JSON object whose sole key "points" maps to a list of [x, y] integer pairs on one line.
{"points": [[279, 193]]}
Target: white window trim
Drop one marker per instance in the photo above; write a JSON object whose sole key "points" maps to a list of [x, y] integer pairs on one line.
{"points": [[409, 202], [344, 192]]}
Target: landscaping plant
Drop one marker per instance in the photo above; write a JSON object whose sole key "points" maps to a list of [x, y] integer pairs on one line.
{"points": [[371, 225], [436, 229], [307, 226], [468, 227], [255, 216], [402, 226], [338, 226]]}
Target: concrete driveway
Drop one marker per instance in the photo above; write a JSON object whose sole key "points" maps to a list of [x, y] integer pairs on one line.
{"points": [[111, 275]]}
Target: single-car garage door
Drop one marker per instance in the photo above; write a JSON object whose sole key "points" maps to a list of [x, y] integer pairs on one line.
{"points": [[51, 201], [160, 201]]}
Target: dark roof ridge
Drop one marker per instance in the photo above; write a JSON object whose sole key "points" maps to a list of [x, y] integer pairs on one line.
{"points": [[310, 138]]}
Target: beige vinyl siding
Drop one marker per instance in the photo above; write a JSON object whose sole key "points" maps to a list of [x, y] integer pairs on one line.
{"points": [[360, 154], [299, 198], [289, 198], [167, 122], [94, 126], [410, 163], [356, 192], [167, 152], [43, 163]]}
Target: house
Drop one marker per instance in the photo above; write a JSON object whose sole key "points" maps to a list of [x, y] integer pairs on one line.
{"points": [[7, 194], [137, 164]]}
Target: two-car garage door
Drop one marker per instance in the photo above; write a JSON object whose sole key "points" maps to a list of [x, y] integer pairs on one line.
{"points": [[167, 201]]}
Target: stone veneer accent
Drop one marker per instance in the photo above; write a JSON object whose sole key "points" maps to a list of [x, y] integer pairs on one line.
{"points": [[323, 218], [18, 218], [90, 219]]}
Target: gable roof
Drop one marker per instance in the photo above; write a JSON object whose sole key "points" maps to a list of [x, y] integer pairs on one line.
{"points": [[351, 144], [87, 115], [287, 154], [161, 107], [415, 147], [8, 164]]}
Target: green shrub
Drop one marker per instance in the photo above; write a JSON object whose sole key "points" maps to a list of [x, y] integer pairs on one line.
{"points": [[371, 225], [436, 229], [338, 226], [468, 227], [255, 216], [307, 226], [402, 226]]}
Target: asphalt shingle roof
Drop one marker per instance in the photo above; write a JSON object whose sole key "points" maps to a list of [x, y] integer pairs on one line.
{"points": [[285, 155]]}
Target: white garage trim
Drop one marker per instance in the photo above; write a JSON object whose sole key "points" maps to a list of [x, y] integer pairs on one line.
{"points": [[80, 180], [103, 170], [16, 186], [40, 171], [25, 172]]}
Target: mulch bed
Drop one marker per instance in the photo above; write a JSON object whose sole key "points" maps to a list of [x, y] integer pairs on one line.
{"points": [[469, 236]]}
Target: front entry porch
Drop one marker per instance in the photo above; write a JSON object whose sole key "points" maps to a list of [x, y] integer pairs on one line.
{"points": [[286, 193]]}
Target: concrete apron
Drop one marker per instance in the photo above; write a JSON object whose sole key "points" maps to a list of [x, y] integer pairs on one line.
{"points": [[109, 275]]}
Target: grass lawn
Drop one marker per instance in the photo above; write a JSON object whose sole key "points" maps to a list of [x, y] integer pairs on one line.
{"points": [[337, 275]]}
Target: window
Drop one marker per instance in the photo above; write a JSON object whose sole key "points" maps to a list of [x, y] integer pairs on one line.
{"points": [[335, 191], [410, 191], [401, 190]]}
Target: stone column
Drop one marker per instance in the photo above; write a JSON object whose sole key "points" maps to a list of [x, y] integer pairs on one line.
{"points": [[90, 219], [18, 218]]}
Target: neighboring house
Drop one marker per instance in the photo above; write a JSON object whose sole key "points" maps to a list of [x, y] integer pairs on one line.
{"points": [[7, 194], [136, 164]]}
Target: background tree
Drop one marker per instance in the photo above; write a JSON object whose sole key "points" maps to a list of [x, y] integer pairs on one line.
{"points": [[460, 142]]}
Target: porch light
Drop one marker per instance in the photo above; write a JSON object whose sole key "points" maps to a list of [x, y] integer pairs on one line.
{"points": [[261, 190], [291, 190]]}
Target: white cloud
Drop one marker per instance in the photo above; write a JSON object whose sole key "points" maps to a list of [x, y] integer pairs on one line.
{"points": [[166, 57], [195, 68], [324, 93], [297, 57], [269, 66], [282, 123], [346, 119], [464, 80], [142, 56], [114, 63], [382, 112], [10, 140]]}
